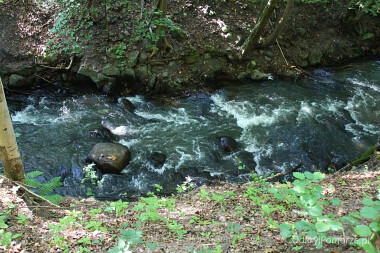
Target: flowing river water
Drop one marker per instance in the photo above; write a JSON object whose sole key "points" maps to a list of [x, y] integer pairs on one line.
{"points": [[317, 122]]}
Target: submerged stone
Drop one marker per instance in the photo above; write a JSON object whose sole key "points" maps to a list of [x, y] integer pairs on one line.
{"points": [[157, 159], [228, 143]]}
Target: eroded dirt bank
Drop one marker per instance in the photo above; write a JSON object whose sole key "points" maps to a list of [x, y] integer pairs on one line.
{"points": [[206, 43]]}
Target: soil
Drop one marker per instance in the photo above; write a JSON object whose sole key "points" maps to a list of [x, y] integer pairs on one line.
{"points": [[205, 52], [207, 230]]}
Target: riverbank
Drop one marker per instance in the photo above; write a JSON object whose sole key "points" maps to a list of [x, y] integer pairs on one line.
{"points": [[206, 40], [223, 218]]}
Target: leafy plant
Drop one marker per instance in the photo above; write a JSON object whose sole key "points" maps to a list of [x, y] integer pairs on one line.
{"points": [[45, 189]]}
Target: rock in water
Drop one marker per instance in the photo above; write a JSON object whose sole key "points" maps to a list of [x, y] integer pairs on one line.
{"points": [[157, 159], [128, 105], [228, 143], [103, 133], [109, 157]]}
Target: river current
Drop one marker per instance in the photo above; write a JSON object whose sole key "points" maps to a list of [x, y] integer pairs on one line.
{"points": [[318, 122]]}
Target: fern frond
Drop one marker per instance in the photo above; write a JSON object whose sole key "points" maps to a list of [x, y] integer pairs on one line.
{"points": [[50, 186], [33, 183], [54, 198], [33, 174]]}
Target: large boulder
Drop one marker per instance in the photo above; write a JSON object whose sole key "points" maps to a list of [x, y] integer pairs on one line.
{"points": [[228, 143], [109, 157], [17, 81], [256, 75]]}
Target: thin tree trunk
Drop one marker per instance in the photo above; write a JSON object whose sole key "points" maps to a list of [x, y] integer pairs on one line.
{"points": [[259, 27], [162, 44], [10, 156], [266, 42]]}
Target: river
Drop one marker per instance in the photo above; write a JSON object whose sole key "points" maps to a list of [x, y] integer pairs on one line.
{"points": [[318, 122]]}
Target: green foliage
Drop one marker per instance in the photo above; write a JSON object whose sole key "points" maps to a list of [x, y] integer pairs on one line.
{"points": [[45, 189], [309, 197], [23, 219], [119, 207], [368, 36], [127, 239], [7, 237], [90, 176], [74, 25]]}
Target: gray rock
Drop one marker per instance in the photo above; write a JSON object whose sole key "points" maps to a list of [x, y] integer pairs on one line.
{"points": [[128, 74], [143, 57], [17, 81], [132, 60], [89, 72], [111, 70], [103, 133], [110, 85], [157, 159], [128, 105], [109, 157], [142, 72], [153, 80], [242, 76], [258, 76], [228, 143]]}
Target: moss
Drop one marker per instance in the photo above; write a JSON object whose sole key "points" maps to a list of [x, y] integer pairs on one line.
{"points": [[365, 156]]}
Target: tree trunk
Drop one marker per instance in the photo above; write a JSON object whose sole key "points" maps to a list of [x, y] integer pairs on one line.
{"points": [[162, 43], [259, 27], [10, 156], [280, 26]]}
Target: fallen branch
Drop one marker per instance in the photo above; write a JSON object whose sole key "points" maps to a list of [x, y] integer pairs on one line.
{"points": [[21, 185], [18, 182], [59, 68]]}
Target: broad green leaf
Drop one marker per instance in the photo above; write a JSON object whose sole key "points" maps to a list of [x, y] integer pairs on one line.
{"points": [[374, 225], [308, 175], [299, 175], [369, 248], [321, 226], [304, 225], [368, 202], [363, 230], [286, 231], [318, 176], [369, 212], [133, 236], [314, 211], [299, 187], [335, 225]]}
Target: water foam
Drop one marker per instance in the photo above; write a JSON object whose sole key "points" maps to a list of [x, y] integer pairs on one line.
{"points": [[243, 112]]}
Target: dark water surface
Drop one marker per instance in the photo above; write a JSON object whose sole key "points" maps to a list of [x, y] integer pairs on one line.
{"points": [[278, 125]]}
